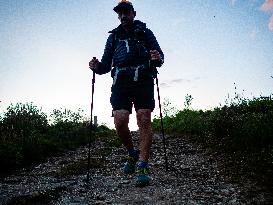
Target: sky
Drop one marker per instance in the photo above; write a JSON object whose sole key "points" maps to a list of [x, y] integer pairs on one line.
{"points": [[210, 47]]}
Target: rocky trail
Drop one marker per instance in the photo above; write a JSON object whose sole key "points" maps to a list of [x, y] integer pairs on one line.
{"points": [[194, 177]]}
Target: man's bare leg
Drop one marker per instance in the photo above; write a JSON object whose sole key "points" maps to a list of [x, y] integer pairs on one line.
{"points": [[121, 119], [145, 129]]}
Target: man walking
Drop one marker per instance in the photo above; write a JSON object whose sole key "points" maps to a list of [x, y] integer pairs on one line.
{"points": [[131, 54]]}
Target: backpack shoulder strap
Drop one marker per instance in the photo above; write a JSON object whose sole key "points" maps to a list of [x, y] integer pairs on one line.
{"points": [[116, 39]]}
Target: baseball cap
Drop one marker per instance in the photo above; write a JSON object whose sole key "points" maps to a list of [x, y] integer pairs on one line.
{"points": [[123, 5]]}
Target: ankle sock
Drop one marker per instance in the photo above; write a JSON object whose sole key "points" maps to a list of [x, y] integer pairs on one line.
{"points": [[142, 164]]}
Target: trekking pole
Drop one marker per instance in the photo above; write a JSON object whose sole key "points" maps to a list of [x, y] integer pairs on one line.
{"points": [[91, 127], [162, 128]]}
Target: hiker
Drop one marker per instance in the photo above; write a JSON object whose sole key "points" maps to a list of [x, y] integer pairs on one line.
{"points": [[131, 54]]}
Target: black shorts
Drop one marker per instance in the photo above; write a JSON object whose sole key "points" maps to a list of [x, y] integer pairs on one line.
{"points": [[126, 93]]}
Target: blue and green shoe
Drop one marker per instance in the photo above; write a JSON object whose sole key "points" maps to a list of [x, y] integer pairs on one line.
{"points": [[142, 177], [130, 165]]}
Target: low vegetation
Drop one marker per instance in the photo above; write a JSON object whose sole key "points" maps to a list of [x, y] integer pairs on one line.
{"points": [[28, 135], [241, 131]]}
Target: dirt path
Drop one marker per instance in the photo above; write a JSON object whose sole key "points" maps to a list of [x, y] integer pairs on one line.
{"points": [[193, 178]]}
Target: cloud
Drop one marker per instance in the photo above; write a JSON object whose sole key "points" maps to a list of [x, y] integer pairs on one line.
{"points": [[164, 85], [170, 83], [267, 6], [197, 78], [270, 24], [180, 80]]}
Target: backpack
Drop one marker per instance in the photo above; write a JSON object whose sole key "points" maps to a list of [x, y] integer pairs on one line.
{"points": [[135, 47]]}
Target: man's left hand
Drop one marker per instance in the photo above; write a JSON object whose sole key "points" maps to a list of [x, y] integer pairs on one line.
{"points": [[155, 55]]}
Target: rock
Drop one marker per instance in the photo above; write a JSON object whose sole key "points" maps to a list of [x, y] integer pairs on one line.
{"points": [[100, 197], [125, 182], [225, 192], [233, 201], [100, 202], [192, 178]]}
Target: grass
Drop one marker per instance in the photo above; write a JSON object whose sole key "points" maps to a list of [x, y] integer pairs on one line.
{"points": [[240, 133]]}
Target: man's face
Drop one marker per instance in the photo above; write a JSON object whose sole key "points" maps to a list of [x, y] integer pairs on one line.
{"points": [[126, 17]]}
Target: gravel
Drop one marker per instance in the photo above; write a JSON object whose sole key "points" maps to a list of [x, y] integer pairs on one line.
{"points": [[193, 177]]}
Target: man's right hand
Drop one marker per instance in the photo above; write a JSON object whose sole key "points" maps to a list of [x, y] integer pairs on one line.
{"points": [[94, 64]]}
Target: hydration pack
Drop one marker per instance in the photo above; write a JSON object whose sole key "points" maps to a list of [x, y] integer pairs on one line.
{"points": [[131, 55]]}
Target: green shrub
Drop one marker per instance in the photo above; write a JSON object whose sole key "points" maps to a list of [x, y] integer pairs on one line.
{"points": [[245, 123], [22, 120], [27, 136], [240, 131], [10, 156]]}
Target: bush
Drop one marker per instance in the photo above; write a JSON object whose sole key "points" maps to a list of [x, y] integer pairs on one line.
{"points": [[240, 131], [21, 128], [247, 123], [22, 120], [27, 136]]}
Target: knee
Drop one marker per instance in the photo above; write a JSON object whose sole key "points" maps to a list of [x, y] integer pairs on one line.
{"points": [[121, 119], [144, 119], [121, 124]]}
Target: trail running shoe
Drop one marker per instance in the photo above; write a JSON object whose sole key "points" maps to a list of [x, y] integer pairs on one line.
{"points": [[130, 165], [143, 178]]}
